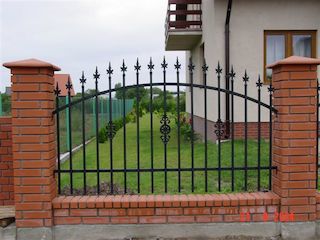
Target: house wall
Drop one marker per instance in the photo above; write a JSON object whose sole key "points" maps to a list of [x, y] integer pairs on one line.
{"points": [[249, 19]]}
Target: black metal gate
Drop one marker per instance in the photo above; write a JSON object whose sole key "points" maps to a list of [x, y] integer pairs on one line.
{"points": [[236, 167]]}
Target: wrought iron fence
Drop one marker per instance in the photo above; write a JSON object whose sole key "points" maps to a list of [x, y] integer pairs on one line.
{"points": [[185, 163]]}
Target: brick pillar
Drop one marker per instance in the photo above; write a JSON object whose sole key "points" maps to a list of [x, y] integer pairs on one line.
{"points": [[34, 144], [294, 129], [6, 169]]}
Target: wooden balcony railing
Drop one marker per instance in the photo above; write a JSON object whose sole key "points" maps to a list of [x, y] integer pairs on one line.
{"points": [[183, 15]]}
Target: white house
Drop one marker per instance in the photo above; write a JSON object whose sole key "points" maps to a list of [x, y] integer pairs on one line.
{"points": [[246, 34]]}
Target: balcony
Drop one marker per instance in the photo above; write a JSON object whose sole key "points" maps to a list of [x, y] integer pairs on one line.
{"points": [[183, 24]]}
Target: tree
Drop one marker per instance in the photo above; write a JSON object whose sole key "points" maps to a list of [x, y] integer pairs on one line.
{"points": [[131, 93]]}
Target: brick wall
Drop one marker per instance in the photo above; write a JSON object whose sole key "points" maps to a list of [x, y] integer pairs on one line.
{"points": [[131, 209], [252, 130], [295, 133], [34, 141], [238, 129], [6, 164]]}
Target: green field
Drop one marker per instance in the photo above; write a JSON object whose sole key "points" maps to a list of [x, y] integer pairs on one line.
{"points": [[172, 156]]}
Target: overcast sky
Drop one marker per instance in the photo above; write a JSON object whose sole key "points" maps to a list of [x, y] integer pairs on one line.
{"points": [[79, 35]]}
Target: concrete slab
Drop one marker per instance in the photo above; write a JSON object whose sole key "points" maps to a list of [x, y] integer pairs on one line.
{"points": [[299, 231], [43, 233], [8, 233], [168, 231]]}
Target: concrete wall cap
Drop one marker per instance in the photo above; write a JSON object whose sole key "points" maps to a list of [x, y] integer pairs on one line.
{"points": [[296, 60], [31, 63]]}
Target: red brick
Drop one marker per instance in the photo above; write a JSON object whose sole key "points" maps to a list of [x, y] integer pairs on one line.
{"points": [[95, 220], [169, 211], [181, 219], [140, 212], [112, 212], [152, 219], [67, 220], [124, 220], [83, 212], [196, 211]]}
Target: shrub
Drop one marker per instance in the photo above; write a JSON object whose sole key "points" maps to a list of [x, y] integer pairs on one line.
{"points": [[102, 136], [185, 127]]}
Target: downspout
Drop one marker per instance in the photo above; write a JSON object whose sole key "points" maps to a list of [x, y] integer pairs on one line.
{"points": [[227, 66]]}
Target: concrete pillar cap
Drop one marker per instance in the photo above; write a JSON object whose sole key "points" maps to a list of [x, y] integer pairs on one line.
{"points": [[31, 63], [295, 60]]}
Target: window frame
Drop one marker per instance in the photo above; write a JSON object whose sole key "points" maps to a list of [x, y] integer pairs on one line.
{"points": [[288, 34]]}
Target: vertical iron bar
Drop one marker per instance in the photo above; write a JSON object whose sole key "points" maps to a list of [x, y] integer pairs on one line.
{"points": [[220, 125], [191, 68], [259, 85], [137, 68], [270, 134], [177, 67], [205, 69], [111, 128], [232, 76], [67, 121], [96, 76], [57, 92], [164, 66], [151, 67], [69, 87], [245, 80], [123, 70], [83, 81]]}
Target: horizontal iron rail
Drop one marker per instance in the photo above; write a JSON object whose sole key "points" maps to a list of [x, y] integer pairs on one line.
{"points": [[166, 169], [161, 84]]}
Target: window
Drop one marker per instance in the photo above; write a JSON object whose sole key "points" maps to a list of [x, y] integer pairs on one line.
{"points": [[281, 44]]}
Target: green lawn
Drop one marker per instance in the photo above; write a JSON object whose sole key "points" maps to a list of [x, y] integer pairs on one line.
{"points": [[145, 162]]}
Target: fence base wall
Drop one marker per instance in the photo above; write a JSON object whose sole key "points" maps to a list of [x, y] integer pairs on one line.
{"points": [[156, 209]]}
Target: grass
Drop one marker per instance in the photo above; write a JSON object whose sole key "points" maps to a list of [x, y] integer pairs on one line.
{"points": [[145, 162]]}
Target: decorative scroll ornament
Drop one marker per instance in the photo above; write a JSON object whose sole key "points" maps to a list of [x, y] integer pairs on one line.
{"points": [[218, 69], [164, 64], [191, 66], [57, 91], [177, 65], [150, 65], [123, 67], [111, 130], [109, 70], [271, 89], [232, 74], [205, 67], [83, 79], [165, 129], [96, 74], [69, 85], [219, 128], [245, 77], [259, 83], [137, 67]]}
